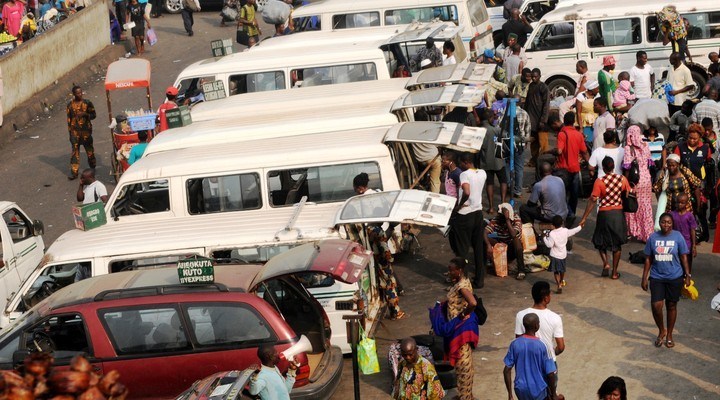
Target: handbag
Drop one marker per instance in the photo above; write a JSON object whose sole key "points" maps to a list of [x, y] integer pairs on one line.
{"points": [[633, 175], [630, 202], [229, 13], [242, 37], [367, 355], [190, 5], [480, 310]]}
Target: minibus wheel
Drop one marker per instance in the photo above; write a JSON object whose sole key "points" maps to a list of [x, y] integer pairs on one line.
{"points": [[700, 81], [560, 87]]}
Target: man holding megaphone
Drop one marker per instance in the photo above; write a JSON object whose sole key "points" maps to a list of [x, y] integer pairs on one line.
{"points": [[267, 381]]}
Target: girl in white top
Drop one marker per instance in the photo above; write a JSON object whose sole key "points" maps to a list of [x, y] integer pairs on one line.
{"points": [[612, 150], [448, 52]]}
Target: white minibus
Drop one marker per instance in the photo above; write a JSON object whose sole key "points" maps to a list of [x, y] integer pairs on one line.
{"points": [[592, 31]]}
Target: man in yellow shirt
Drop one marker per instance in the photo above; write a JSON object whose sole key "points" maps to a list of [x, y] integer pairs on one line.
{"points": [[247, 21]]}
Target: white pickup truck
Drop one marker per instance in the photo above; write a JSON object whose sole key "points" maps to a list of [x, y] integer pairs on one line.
{"points": [[21, 248]]}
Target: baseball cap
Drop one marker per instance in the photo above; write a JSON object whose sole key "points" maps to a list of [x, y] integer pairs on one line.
{"points": [[171, 91]]}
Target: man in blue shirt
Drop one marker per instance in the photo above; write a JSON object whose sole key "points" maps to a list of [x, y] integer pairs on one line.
{"points": [[547, 198], [268, 382], [138, 150], [534, 369]]}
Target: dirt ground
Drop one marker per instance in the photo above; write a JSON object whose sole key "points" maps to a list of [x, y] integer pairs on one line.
{"points": [[608, 326]]}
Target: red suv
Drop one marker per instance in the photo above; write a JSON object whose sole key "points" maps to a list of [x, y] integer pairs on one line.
{"points": [[163, 336]]}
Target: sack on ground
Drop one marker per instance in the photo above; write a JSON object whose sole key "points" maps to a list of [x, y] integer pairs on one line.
{"points": [[500, 259], [275, 12], [637, 257], [529, 242], [367, 356], [536, 263]]}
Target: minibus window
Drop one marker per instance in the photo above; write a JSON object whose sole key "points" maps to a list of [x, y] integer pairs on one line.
{"points": [[703, 25], [257, 82], [306, 24], [143, 198], [356, 20], [536, 10], [52, 279], [329, 183], [318, 76], [614, 32], [553, 37], [424, 14], [478, 12], [147, 263], [192, 87], [223, 193]]}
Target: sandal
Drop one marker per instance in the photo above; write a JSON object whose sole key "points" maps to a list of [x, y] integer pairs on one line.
{"points": [[616, 276], [605, 271], [559, 291], [670, 344], [659, 341], [399, 315]]}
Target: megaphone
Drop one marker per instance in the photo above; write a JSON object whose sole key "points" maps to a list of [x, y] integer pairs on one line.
{"points": [[301, 346]]}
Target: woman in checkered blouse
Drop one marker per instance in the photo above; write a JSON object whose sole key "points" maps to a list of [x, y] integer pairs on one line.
{"points": [[610, 228]]}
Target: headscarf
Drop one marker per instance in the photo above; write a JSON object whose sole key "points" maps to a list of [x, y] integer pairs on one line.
{"points": [[608, 60], [636, 148], [674, 157], [590, 85], [511, 212]]}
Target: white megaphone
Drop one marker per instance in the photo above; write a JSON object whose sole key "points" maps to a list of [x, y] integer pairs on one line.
{"points": [[301, 346]]}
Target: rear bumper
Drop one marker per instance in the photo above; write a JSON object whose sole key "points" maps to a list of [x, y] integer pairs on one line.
{"points": [[328, 380]]}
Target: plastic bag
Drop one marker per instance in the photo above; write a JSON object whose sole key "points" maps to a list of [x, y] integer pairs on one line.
{"points": [[690, 292], [151, 37], [367, 355], [275, 12], [529, 241], [662, 203]]}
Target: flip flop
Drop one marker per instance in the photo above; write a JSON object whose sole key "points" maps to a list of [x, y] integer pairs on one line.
{"points": [[670, 344], [616, 276], [659, 341], [605, 272], [559, 291]]}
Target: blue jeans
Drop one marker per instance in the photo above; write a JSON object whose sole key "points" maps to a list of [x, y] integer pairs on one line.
{"points": [[573, 194], [519, 164]]}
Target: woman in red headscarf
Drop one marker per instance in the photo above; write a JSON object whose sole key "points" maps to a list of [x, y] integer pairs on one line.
{"points": [[641, 223]]}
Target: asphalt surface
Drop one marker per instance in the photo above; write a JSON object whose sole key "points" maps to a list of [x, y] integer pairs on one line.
{"points": [[608, 326]]}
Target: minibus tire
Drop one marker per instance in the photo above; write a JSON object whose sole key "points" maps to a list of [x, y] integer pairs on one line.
{"points": [[700, 81], [561, 85]]}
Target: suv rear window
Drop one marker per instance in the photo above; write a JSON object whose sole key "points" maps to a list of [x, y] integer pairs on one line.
{"points": [[218, 324], [137, 331]]}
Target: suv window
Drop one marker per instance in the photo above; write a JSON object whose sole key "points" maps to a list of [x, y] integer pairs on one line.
{"points": [[327, 183], [553, 37], [20, 228], [143, 198], [223, 193], [221, 324], [52, 279], [613, 32], [356, 20], [421, 14], [152, 329], [257, 82], [318, 76], [63, 335]]}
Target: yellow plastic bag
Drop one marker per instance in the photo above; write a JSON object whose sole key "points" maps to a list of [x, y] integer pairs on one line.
{"points": [[691, 291], [367, 355]]}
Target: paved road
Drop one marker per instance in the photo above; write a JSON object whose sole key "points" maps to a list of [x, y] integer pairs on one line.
{"points": [[608, 327]]}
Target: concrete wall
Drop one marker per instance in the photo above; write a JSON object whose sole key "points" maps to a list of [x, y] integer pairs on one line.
{"points": [[37, 64]]}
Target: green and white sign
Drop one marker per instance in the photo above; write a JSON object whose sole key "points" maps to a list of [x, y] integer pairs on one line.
{"points": [[196, 270]]}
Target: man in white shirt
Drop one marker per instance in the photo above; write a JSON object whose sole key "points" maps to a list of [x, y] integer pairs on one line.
{"points": [[681, 81], [551, 325], [91, 190], [468, 216], [603, 122], [642, 76]]}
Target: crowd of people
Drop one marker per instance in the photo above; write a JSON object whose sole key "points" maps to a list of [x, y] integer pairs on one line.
{"points": [[24, 19]]}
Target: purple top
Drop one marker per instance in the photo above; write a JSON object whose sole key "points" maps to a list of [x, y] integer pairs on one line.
{"points": [[685, 224]]}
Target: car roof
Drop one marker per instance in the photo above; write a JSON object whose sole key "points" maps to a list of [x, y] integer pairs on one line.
{"points": [[262, 153], [233, 277], [601, 10], [259, 228], [333, 6]]}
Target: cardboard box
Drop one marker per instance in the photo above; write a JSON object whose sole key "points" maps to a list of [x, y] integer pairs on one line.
{"points": [[89, 216], [178, 117]]}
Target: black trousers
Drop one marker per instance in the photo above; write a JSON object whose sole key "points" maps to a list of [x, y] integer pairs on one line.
{"points": [[469, 234], [188, 21], [120, 8], [157, 7], [529, 215]]}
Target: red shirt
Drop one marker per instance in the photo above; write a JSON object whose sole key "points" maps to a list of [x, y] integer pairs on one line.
{"points": [[161, 114], [571, 143]]}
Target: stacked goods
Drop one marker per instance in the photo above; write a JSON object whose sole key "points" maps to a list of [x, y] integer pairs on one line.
{"points": [[670, 19], [7, 38], [40, 381]]}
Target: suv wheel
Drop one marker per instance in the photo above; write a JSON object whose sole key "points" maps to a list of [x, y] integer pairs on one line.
{"points": [[173, 6]]}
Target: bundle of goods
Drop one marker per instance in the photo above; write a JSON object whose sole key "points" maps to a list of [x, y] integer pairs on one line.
{"points": [[670, 19]]}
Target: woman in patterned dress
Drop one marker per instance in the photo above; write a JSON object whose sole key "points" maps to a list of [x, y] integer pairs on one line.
{"points": [[461, 303], [383, 264], [641, 223], [610, 229], [677, 179]]}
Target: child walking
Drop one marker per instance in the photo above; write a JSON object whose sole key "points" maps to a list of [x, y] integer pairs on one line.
{"points": [[557, 240], [684, 222]]}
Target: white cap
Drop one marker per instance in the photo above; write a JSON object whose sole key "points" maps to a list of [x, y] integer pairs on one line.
{"points": [[424, 63]]}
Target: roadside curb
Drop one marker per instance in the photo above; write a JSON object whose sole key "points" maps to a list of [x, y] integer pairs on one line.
{"points": [[29, 110]]}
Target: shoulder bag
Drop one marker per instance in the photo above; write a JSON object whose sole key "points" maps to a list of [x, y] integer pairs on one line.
{"points": [[633, 174], [629, 202]]}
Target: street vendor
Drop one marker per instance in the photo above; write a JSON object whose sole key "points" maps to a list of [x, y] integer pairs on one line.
{"points": [[171, 93]]}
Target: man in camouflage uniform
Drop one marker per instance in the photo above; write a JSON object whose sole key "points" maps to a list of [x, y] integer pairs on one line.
{"points": [[79, 114]]}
